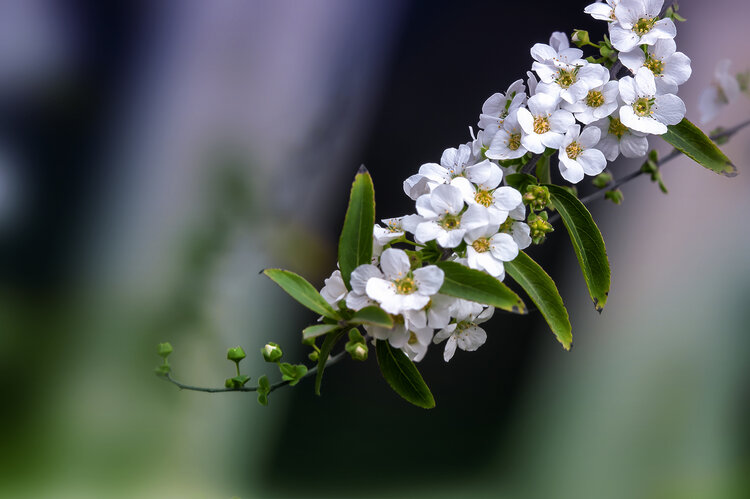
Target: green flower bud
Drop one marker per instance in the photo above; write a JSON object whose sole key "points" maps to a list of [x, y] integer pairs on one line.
{"points": [[536, 196], [615, 196], [235, 354], [540, 227], [358, 351], [229, 383], [313, 356], [164, 349], [602, 180], [580, 38], [271, 352]]}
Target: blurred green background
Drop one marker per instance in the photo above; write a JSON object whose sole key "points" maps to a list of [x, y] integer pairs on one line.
{"points": [[154, 157]]}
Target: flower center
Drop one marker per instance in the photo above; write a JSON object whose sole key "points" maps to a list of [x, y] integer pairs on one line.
{"points": [[481, 245], [566, 78], [655, 65], [574, 150], [393, 226], [483, 197], [412, 338], [541, 124], [644, 25], [405, 286], [514, 142], [616, 128], [594, 98], [450, 222], [642, 106]]}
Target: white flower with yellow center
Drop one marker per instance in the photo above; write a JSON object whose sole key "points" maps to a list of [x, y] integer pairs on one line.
{"points": [[603, 11], [496, 200], [499, 106], [670, 68], [558, 52], [487, 249], [334, 289], [506, 144], [643, 109], [639, 24], [600, 99], [465, 333], [394, 228], [578, 155], [442, 217], [724, 90], [616, 138], [401, 289], [544, 123]]}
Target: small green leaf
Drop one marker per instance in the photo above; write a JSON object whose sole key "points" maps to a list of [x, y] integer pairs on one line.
{"points": [[587, 243], [325, 351], [473, 285], [302, 291], [402, 375], [543, 292], [375, 316], [292, 372], [318, 330], [355, 243], [520, 181], [693, 143]]}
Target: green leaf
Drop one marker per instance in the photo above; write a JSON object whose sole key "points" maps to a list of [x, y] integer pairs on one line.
{"points": [[587, 243], [292, 372], [520, 181], [325, 351], [402, 375], [372, 315], [473, 285], [355, 243], [543, 292], [693, 143], [302, 291], [318, 330], [543, 171]]}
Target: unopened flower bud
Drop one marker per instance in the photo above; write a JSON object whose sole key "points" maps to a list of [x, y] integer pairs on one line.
{"points": [[235, 354], [359, 352], [271, 352], [164, 349], [580, 37], [602, 180]]}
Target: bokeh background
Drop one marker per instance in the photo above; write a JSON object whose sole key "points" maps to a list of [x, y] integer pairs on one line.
{"points": [[155, 156]]}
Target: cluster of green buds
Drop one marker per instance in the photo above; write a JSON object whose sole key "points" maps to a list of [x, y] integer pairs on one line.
{"points": [[536, 197], [357, 346], [539, 226]]}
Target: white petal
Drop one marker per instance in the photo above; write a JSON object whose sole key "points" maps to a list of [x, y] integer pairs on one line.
{"points": [[669, 109], [383, 292], [644, 82], [424, 207], [645, 125], [589, 137], [542, 52], [446, 199], [395, 263], [427, 231], [633, 59], [561, 120], [521, 235], [592, 161], [610, 147], [506, 198], [467, 189], [361, 275], [450, 239], [569, 169], [472, 338], [503, 247], [429, 279], [526, 120], [533, 142], [622, 39], [489, 263], [633, 146], [627, 89], [450, 348]]}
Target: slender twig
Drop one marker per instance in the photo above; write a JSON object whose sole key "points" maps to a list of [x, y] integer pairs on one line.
{"points": [[529, 167], [630, 176], [182, 386]]}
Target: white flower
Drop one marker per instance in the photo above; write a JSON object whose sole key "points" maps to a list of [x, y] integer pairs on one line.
{"points": [[724, 90], [402, 289], [499, 106], [416, 345], [519, 231], [497, 201], [558, 52], [442, 218], [670, 68], [599, 101], [644, 110], [357, 297], [544, 124], [413, 341], [639, 24], [616, 138], [602, 11], [578, 155], [464, 334], [506, 144], [334, 289], [487, 249], [570, 82]]}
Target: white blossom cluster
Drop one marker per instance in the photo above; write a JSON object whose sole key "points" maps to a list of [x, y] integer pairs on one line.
{"points": [[567, 104]]}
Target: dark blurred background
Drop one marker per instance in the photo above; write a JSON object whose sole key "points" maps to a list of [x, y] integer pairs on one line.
{"points": [[154, 156]]}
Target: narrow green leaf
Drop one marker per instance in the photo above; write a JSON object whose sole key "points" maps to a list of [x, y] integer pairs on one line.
{"points": [[542, 290], [402, 375], [372, 315], [355, 243], [693, 143], [318, 330], [302, 291], [325, 351], [587, 243], [473, 285]]}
